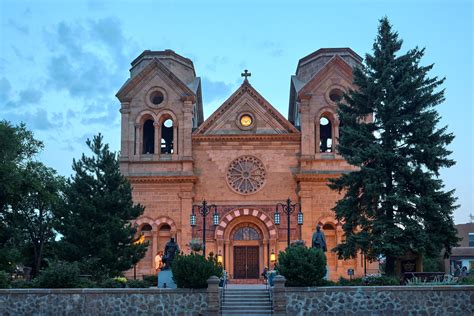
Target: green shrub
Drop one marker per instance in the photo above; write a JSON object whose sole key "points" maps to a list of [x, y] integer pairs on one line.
{"points": [[59, 275], [112, 283], [22, 284], [193, 270], [137, 284], [4, 280], [348, 282], [433, 264], [151, 279], [382, 280], [87, 283], [302, 266], [469, 280]]}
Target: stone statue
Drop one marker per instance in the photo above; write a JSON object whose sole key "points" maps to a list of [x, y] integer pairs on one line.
{"points": [[171, 249], [319, 241]]}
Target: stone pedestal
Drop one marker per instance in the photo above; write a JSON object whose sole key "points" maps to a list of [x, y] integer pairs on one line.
{"points": [[279, 297], [213, 304], [165, 279]]}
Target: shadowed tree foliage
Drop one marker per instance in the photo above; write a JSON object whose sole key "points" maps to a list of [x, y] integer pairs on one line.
{"points": [[95, 220], [395, 202]]}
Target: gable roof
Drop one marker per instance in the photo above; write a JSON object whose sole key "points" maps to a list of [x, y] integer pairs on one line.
{"points": [[245, 89], [124, 94]]}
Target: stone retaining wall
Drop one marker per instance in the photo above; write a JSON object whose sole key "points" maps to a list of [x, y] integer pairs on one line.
{"points": [[103, 302], [374, 300]]}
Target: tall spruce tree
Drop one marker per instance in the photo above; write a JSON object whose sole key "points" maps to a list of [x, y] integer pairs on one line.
{"points": [[95, 221], [395, 202]]}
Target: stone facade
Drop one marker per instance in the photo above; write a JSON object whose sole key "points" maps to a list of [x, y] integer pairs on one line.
{"points": [[176, 159], [373, 300], [103, 302]]}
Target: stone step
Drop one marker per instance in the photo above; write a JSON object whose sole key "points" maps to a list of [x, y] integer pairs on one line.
{"points": [[247, 303], [261, 300], [247, 313], [246, 310]]}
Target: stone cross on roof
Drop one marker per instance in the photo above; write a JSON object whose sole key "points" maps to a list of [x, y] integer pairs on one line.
{"points": [[246, 74]]}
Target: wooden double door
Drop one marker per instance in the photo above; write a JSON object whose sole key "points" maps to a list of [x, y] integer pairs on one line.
{"points": [[246, 262]]}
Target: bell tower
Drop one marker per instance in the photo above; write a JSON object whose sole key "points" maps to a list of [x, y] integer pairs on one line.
{"points": [[161, 104]]}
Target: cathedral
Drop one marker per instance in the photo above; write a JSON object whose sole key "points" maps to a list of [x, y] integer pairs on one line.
{"points": [[242, 160]]}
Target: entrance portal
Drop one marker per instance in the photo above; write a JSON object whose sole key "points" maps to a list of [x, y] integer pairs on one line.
{"points": [[246, 262]]}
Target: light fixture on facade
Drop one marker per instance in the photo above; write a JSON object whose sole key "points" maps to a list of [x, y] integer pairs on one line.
{"points": [[300, 217], [219, 258], [277, 217], [215, 218], [272, 256], [193, 219]]}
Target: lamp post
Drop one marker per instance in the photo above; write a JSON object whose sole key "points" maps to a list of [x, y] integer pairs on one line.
{"points": [[288, 209], [204, 209]]}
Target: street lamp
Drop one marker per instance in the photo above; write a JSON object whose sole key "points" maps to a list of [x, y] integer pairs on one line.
{"points": [[204, 209], [288, 209]]}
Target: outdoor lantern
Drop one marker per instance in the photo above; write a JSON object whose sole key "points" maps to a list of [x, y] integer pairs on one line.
{"points": [[277, 218], [193, 219], [216, 218], [300, 218], [219, 258], [272, 256]]}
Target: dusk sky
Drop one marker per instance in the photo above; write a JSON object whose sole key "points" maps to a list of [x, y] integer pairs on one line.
{"points": [[61, 62]]}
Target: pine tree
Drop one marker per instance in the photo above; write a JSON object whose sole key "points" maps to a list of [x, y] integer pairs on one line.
{"points": [[95, 221], [395, 201]]}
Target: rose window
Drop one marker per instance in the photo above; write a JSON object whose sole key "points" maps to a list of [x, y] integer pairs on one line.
{"points": [[246, 175]]}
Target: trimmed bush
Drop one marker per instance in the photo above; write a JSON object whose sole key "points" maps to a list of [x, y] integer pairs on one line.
{"points": [[114, 283], [302, 266], [4, 280], [137, 284], [348, 282], [468, 280], [59, 275], [151, 279], [22, 284], [370, 281], [193, 270]]}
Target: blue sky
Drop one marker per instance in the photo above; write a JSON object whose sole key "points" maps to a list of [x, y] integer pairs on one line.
{"points": [[61, 62]]}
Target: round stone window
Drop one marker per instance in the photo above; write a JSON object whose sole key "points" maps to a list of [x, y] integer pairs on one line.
{"points": [[157, 97], [246, 175], [335, 95]]}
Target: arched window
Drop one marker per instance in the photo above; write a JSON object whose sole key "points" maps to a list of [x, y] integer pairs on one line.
{"points": [[325, 135], [167, 131], [148, 137], [165, 228], [246, 233], [146, 228]]}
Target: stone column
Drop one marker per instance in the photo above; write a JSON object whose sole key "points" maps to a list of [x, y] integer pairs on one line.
{"points": [[126, 135], [186, 195], [175, 139], [213, 297], [227, 262], [187, 127], [307, 128], [306, 200], [154, 249], [339, 263], [138, 137], [157, 144], [279, 297]]}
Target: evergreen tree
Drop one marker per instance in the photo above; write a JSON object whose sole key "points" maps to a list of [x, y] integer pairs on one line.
{"points": [[95, 221], [395, 202]]}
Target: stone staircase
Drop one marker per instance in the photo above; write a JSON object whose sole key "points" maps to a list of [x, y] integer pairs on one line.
{"points": [[246, 302]]}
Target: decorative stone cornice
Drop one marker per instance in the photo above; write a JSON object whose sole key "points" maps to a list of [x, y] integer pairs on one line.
{"points": [[162, 179], [247, 137], [315, 177]]}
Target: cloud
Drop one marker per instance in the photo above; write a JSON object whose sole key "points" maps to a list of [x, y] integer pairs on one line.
{"points": [[18, 27], [273, 49], [216, 61], [34, 120], [30, 96], [5, 89], [90, 58], [106, 114], [214, 90]]}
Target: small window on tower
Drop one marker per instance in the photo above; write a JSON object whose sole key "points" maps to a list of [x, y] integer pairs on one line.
{"points": [[335, 95], [325, 135], [167, 146], [157, 97]]}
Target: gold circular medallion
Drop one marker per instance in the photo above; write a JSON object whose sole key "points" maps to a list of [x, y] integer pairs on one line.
{"points": [[246, 120]]}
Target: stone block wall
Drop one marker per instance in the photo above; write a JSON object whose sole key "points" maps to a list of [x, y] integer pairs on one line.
{"points": [[103, 302], [386, 300]]}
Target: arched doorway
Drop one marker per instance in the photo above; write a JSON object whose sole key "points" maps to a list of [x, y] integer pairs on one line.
{"points": [[246, 242]]}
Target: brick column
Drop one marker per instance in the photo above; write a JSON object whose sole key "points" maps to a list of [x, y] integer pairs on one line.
{"points": [[279, 297], [213, 299], [186, 195]]}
